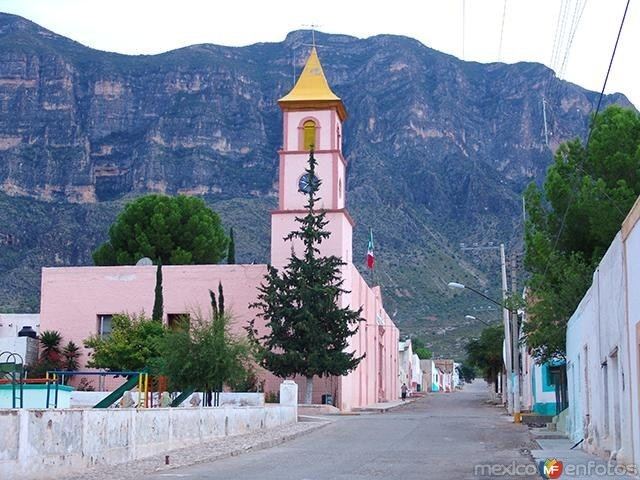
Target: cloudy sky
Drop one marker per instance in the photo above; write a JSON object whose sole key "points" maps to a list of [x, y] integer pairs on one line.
{"points": [[574, 37]]}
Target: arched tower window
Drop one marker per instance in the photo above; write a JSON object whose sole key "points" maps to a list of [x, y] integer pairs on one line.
{"points": [[309, 138]]}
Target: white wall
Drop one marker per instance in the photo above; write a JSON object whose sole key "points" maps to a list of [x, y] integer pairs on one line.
{"points": [[12, 323], [26, 347], [42, 444], [631, 255], [598, 362], [416, 371]]}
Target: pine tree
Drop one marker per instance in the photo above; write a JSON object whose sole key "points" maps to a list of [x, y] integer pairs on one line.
{"points": [[308, 331], [158, 303], [231, 253]]}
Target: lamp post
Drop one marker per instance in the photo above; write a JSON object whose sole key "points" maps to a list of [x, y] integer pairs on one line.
{"points": [[471, 317], [511, 344]]}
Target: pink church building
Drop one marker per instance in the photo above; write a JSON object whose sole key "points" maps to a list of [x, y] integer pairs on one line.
{"points": [[80, 301]]}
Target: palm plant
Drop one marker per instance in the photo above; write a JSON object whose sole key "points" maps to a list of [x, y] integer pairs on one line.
{"points": [[70, 352], [50, 345]]}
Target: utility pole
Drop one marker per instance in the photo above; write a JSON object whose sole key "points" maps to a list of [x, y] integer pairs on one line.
{"points": [[515, 338], [507, 336]]}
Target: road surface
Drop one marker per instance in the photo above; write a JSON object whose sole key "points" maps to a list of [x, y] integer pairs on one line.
{"points": [[442, 436]]}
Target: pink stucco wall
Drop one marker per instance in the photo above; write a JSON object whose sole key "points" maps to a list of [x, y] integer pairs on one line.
{"points": [[73, 297]]}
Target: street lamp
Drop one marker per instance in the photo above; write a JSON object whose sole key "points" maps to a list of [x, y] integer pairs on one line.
{"points": [[471, 317], [460, 286]]}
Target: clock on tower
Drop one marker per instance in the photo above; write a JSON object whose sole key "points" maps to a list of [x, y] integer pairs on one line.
{"points": [[312, 119]]}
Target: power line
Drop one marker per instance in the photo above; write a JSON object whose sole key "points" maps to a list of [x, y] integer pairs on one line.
{"points": [[504, 14], [559, 34], [577, 16], [464, 2], [593, 122]]}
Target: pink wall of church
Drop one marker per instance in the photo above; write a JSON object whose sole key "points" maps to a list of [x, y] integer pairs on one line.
{"points": [[73, 297]]}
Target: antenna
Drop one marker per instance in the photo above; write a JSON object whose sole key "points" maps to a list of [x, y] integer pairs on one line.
{"points": [[293, 64], [544, 118]]}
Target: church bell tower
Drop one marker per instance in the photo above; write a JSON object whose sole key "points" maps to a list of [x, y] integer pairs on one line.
{"points": [[312, 118]]}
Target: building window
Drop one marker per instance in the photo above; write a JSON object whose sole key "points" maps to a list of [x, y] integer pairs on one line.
{"points": [[309, 138], [104, 325], [178, 320]]}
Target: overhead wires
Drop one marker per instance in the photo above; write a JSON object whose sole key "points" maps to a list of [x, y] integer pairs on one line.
{"points": [[590, 132], [504, 14]]}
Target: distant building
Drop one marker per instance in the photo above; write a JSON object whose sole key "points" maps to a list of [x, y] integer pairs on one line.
{"points": [[405, 363], [430, 376], [416, 373], [446, 368]]}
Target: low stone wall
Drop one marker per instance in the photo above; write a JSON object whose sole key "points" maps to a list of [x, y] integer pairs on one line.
{"points": [[52, 443]]}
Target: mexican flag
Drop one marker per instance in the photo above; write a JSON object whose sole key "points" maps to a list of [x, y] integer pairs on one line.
{"points": [[371, 259]]}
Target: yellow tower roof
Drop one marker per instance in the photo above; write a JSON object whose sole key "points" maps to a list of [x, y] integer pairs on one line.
{"points": [[312, 89]]}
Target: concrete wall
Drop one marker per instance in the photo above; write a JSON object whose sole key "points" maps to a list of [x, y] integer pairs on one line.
{"points": [[26, 347], [598, 363], [631, 258], [42, 444]]}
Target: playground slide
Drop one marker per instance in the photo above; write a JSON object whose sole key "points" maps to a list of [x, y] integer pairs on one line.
{"points": [[117, 393], [182, 397]]}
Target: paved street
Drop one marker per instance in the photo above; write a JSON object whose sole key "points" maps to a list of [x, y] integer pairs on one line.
{"points": [[442, 437]]}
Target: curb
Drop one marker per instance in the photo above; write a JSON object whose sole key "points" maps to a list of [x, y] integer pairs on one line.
{"points": [[387, 409], [262, 445]]}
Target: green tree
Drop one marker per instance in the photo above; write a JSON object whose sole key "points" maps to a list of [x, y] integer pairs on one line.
{"points": [[158, 302], [132, 345], [176, 230], [466, 373], [485, 353], [206, 356], [420, 349], [308, 331], [572, 220], [231, 254]]}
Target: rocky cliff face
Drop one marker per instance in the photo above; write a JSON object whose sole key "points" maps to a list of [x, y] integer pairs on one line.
{"points": [[438, 151]]}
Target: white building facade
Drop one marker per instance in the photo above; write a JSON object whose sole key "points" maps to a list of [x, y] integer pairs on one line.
{"points": [[603, 339]]}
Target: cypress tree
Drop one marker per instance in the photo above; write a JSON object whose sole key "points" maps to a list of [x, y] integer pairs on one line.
{"points": [[158, 303], [231, 253], [214, 304], [220, 299], [308, 331]]}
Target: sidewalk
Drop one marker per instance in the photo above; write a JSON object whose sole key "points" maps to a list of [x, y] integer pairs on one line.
{"points": [[576, 463]]}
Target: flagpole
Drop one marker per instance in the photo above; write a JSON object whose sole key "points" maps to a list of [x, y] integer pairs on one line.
{"points": [[373, 266]]}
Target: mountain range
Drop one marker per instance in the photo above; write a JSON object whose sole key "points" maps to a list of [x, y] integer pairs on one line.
{"points": [[438, 150]]}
